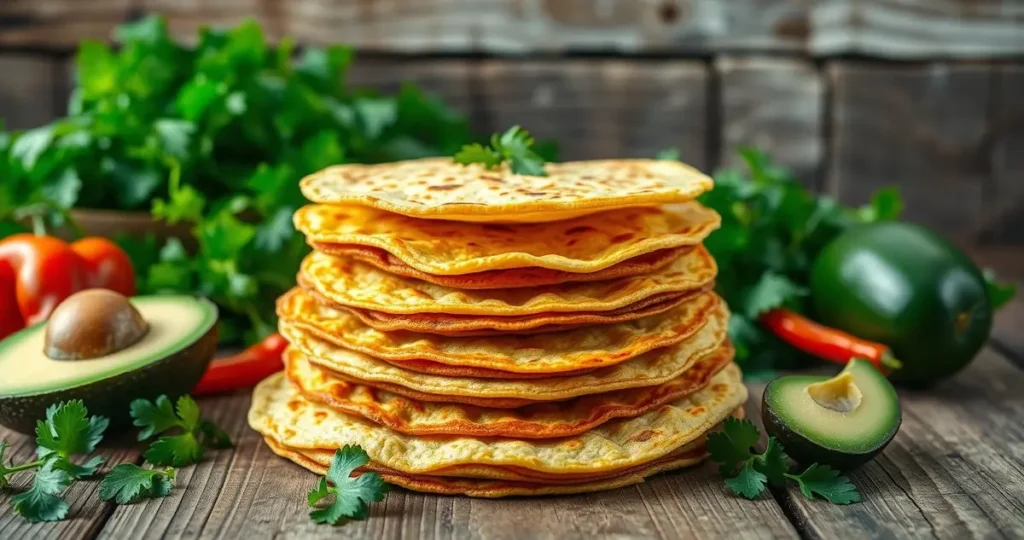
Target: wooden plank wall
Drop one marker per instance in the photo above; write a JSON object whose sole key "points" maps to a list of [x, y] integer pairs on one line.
{"points": [[852, 95]]}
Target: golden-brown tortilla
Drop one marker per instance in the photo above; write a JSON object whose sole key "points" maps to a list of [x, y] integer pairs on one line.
{"points": [[538, 421], [446, 248], [439, 188], [350, 283], [280, 411], [506, 356]]}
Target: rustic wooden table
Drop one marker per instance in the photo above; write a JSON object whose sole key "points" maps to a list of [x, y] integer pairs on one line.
{"points": [[955, 470]]}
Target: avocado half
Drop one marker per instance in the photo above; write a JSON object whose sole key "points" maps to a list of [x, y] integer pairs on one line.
{"points": [[170, 359], [842, 421]]}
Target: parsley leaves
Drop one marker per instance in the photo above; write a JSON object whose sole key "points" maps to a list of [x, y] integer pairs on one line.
{"points": [[515, 146], [195, 433], [351, 494], [748, 474]]}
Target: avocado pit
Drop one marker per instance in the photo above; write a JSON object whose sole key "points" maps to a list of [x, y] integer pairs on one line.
{"points": [[93, 323], [840, 393], [107, 351]]}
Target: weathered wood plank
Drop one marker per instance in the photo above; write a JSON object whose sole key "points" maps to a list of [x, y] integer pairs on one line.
{"points": [[1004, 218], [777, 105], [418, 26], [601, 108], [59, 24], [923, 128], [27, 91], [592, 108], [918, 29], [904, 29], [250, 493], [955, 469], [87, 513]]}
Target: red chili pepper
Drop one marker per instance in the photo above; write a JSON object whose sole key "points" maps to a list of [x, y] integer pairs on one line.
{"points": [[244, 369], [10, 316], [827, 343], [107, 265]]}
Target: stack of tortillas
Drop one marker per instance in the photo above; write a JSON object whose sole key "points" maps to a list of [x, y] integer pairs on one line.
{"points": [[484, 333]]}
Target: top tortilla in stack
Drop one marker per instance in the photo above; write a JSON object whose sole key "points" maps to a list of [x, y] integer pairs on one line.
{"points": [[439, 188], [483, 313]]}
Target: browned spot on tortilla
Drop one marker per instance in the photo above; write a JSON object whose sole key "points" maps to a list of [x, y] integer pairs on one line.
{"points": [[645, 435], [580, 229], [448, 187]]}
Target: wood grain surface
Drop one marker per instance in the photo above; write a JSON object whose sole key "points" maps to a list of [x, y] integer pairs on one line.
{"points": [[924, 129], [907, 29], [777, 105], [27, 97], [593, 108]]}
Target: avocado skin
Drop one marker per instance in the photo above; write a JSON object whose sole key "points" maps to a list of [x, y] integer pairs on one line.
{"points": [[805, 451], [174, 376], [902, 285]]}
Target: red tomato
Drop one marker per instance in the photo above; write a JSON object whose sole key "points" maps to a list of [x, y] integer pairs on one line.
{"points": [[47, 271], [107, 266]]}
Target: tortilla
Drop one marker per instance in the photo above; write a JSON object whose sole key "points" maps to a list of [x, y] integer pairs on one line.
{"points": [[651, 368], [493, 489], [574, 350], [509, 278], [470, 325], [281, 412], [347, 282], [446, 248], [538, 421], [439, 188]]}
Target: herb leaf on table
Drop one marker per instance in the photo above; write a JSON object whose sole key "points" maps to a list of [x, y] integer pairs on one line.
{"points": [[67, 431], [352, 495], [128, 483], [747, 473], [195, 434]]}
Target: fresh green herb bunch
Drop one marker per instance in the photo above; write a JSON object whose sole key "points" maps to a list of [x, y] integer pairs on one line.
{"points": [[216, 135], [772, 229]]}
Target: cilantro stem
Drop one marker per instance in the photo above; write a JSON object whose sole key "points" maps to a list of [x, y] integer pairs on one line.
{"points": [[25, 466]]}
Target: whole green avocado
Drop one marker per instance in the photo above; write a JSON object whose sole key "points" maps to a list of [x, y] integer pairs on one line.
{"points": [[903, 285]]}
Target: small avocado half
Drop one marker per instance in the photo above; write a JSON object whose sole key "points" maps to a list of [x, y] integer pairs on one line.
{"points": [[842, 421], [142, 348]]}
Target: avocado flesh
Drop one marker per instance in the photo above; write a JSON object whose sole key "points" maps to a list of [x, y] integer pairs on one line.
{"points": [[170, 359], [844, 427]]}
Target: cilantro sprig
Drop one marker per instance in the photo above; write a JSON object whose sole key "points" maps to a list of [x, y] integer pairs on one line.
{"points": [[194, 433], [748, 474], [352, 495], [128, 483], [68, 431], [515, 146]]}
